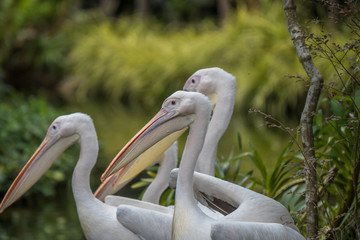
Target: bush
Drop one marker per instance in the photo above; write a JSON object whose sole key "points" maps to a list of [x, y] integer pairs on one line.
{"points": [[24, 122], [144, 62]]}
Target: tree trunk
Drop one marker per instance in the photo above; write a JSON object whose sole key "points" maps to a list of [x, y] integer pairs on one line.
{"points": [[141, 8], [223, 9], [307, 116], [108, 6]]}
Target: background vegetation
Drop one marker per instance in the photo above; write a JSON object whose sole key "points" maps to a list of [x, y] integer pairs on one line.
{"points": [[63, 56]]}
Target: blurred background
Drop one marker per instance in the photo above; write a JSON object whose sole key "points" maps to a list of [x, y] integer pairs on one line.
{"points": [[117, 60]]}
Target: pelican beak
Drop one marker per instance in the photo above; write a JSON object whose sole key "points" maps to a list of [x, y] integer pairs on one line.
{"points": [[159, 133], [102, 190], [39, 163], [118, 180], [106, 188]]}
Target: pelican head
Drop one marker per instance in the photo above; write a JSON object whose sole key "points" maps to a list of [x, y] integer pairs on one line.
{"points": [[210, 81], [177, 113], [62, 133]]}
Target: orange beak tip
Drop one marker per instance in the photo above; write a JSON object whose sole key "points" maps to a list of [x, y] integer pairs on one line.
{"points": [[102, 178]]}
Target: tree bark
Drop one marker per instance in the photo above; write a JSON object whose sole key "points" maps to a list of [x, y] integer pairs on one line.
{"points": [[141, 7], [223, 9], [312, 98], [108, 6]]}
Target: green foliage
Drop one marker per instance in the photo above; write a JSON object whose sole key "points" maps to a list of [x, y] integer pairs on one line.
{"points": [[144, 62], [337, 139], [275, 182], [282, 182], [34, 39], [228, 168], [336, 130], [55, 218], [24, 123]]}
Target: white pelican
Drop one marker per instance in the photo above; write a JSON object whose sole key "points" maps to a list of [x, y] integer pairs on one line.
{"points": [[260, 215], [98, 220], [220, 87]]}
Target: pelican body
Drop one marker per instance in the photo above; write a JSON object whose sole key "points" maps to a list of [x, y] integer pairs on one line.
{"points": [[98, 220]]}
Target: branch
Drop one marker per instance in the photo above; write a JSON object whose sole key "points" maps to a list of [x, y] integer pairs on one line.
{"points": [[307, 116], [355, 179], [322, 190]]}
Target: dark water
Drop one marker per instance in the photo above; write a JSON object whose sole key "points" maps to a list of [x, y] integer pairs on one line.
{"points": [[56, 217]]}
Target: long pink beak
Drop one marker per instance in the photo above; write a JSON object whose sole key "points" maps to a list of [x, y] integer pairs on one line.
{"points": [[39, 163], [116, 163], [162, 127]]}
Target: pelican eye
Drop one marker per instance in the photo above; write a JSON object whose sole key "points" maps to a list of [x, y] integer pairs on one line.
{"points": [[173, 102], [193, 80], [54, 129]]}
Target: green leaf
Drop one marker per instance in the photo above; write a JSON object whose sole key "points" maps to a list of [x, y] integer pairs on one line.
{"points": [[357, 98], [139, 184], [239, 141], [244, 178], [279, 161], [245, 154], [168, 197], [337, 109], [151, 174], [256, 158]]}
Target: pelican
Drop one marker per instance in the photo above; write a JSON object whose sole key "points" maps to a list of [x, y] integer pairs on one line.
{"points": [[98, 220], [220, 87], [256, 213]]}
